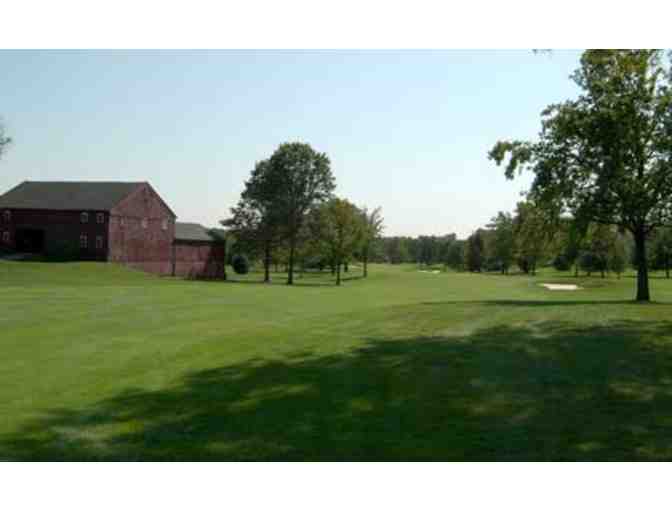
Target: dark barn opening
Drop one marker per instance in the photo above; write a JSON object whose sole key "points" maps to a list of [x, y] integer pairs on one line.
{"points": [[30, 240]]}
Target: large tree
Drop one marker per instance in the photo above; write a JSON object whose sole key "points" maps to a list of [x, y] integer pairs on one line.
{"points": [[607, 155], [300, 178], [372, 228], [254, 221]]}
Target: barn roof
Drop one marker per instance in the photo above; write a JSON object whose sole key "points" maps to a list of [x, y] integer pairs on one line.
{"points": [[195, 232], [67, 196]]}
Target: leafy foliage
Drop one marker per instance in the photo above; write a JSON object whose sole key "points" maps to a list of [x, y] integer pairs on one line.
{"points": [[607, 155], [299, 178], [240, 264]]}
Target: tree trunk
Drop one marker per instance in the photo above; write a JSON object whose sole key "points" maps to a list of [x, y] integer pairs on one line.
{"points": [[576, 269], [642, 269], [366, 268], [667, 266], [267, 262], [338, 273], [345, 266], [290, 268]]}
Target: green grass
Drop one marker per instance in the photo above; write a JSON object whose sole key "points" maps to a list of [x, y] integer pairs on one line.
{"points": [[99, 362]]}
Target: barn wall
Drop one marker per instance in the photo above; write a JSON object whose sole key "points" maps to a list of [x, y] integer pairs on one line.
{"points": [[62, 231], [199, 259], [141, 232]]}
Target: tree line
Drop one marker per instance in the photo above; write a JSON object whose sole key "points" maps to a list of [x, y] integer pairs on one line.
{"points": [[288, 214]]}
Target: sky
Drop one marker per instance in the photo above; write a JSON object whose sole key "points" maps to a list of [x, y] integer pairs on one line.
{"points": [[408, 131]]}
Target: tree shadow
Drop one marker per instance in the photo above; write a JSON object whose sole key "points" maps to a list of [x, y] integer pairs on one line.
{"points": [[550, 391]]}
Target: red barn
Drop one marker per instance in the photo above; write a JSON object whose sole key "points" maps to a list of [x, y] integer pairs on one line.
{"points": [[123, 222]]}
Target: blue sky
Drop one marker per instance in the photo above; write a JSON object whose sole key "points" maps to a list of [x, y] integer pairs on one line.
{"points": [[405, 130]]}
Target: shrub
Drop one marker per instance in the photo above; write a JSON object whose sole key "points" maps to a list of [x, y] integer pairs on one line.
{"points": [[561, 263], [62, 251], [240, 264]]}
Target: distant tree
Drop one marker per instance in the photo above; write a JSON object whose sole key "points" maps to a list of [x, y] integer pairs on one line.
{"points": [[662, 249], [372, 228], [533, 228], [602, 245], [455, 255], [301, 178], [560, 263], [502, 240], [587, 262], [339, 225], [473, 254], [606, 154], [254, 221], [575, 230], [618, 258]]}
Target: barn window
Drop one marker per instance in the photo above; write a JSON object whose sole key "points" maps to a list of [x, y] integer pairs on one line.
{"points": [[8, 216], [144, 222], [100, 217], [164, 224], [84, 217], [99, 242], [83, 241], [5, 237]]}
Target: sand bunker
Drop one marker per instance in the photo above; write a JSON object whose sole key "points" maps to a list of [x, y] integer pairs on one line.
{"points": [[432, 272], [560, 286]]}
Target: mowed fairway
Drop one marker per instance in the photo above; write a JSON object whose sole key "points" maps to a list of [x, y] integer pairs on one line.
{"points": [[99, 362]]}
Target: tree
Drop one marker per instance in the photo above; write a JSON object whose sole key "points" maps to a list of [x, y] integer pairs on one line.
{"points": [[502, 240], [473, 255], [602, 246], [606, 155], [455, 255], [533, 229], [300, 178], [662, 249], [254, 221], [618, 258], [4, 141], [338, 223], [372, 228]]}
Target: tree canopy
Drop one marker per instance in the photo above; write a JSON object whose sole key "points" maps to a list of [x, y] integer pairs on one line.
{"points": [[300, 178], [606, 155]]}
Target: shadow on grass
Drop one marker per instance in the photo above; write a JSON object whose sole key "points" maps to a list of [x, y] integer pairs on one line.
{"points": [[548, 392]]}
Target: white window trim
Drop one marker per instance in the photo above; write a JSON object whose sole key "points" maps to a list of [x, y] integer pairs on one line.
{"points": [[145, 223], [84, 217], [99, 242], [100, 218], [83, 241]]}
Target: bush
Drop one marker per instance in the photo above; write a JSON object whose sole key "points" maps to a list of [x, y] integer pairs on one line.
{"points": [[62, 251], [240, 264], [561, 263]]}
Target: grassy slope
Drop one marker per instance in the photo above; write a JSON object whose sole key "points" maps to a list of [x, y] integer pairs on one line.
{"points": [[104, 363]]}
